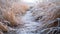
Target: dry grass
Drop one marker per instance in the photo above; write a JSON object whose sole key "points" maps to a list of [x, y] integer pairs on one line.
{"points": [[10, 10], [20, 8], [3, 27]]}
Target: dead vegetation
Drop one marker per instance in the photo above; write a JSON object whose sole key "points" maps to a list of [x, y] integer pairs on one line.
{"points": [[46, 12], [3, 27], [12, 12]]}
